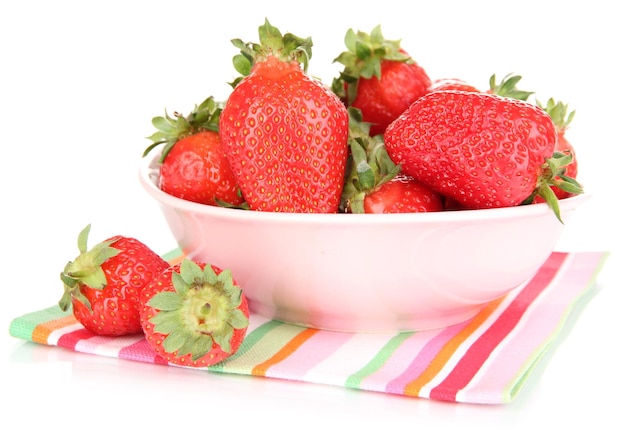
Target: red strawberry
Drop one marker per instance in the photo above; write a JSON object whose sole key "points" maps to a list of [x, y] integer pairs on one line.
{"points": [[193, 165], [444, 84], [374, 184], [103, 284], [482, 150], [379, 78], [194, 314], [562, 117], [402, 194], [285, 133]]}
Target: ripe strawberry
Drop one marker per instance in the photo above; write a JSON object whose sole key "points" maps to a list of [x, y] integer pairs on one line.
{"points": [[379, 78], [374, 184], [285, 134], [562, 117], [103, 284], [567, 169], [402, 194], [482, 150], [444, 84], [507, 87], [193, 165], [194, 314]]}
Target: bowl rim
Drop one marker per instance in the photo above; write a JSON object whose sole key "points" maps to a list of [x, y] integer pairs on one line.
{"points": [[148, 174]]}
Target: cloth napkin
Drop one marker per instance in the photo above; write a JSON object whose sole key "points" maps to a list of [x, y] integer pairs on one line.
{"points": [[484, 360]]}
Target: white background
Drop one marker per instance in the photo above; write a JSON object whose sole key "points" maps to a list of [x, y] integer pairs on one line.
{"points": [[79, 84]]}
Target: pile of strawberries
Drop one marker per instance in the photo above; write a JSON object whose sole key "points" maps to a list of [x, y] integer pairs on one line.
{"points": [[383, 138], [192, 314]]}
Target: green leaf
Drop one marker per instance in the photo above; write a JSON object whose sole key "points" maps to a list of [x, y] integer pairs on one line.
{"points": [[238, 319], [166, 322], [166, 301], [179, 283], [223, 339], [164, 124], [95, 279], [174, 341], [191, 272], [83, 236], [242, 64], [210, 276], [551, 199], [201, 346]]}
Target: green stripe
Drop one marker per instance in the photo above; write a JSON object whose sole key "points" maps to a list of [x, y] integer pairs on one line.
{"points": [[23, 326], [249, 341], [354, 381], [172, 254]]}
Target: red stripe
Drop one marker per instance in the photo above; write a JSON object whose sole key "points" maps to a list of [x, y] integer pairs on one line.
{"points": [[70, 339], [477, 354]]}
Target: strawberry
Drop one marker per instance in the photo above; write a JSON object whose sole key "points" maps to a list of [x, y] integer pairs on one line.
{"points": [[194, 314], [443, 84], [562, 117], [285, 133], [374, 184], [379, 77], [103, 284], [402, 194], [192, 163], [564, 152], [482, 150], [507, 87]]}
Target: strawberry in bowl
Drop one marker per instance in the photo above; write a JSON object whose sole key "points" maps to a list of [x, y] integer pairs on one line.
{"points": [[350, 229]]}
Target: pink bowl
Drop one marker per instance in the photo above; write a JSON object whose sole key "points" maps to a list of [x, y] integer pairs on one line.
{"points": [[367, 272]]}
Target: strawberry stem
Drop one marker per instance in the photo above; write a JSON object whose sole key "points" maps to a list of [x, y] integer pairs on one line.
{"points": [[369, 165], [172, 129], [553, 174], [271, 43], [363, 59], [86, 270], [507, 87]]}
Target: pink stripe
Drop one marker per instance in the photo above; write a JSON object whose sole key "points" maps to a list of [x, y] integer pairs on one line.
{"points": [[423, 359], [400, 359], [542, 320], [142, 352], [316, 349], [480, 350]]}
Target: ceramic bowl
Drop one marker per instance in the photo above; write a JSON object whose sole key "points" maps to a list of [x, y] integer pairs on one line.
{"points": [[367, 272]]}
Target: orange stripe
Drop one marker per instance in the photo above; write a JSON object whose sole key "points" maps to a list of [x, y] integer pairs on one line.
{"points": [[288, 349], [415, 386], [43, 330]]}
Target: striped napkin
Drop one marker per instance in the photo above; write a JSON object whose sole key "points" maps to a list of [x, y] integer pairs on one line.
{"points": [[484, 360]]}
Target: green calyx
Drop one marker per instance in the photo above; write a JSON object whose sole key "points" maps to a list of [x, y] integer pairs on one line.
{"points": [[560, 113], [363, 59], [272, 42], [369, 165], [171, 129], [203, 310], [508, 87], [553, 174], [86, 270]]}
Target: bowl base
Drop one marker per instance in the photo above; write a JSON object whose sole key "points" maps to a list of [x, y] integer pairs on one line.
{"points": [[383, 325]]}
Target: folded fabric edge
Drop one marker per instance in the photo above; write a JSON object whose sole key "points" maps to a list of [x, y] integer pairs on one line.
{"points": [[28, 326], [540, 359]]}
